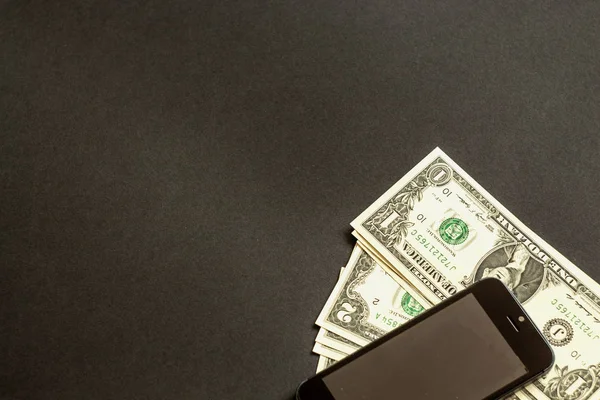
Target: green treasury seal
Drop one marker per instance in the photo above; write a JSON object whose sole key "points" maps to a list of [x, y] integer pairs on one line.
{"points": [[410, 305], [454, 231]]}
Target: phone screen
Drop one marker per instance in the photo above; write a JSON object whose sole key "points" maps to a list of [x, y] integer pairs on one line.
{"points": [[456, 353]]}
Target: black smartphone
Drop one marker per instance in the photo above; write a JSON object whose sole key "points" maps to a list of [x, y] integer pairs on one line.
{"points": [[478, 344]]}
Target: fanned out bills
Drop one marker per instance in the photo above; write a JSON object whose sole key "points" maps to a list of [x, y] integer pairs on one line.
{"points": [[434, 233]]}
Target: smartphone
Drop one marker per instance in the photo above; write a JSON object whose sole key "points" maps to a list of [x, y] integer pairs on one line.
{"points": [[478, 344]]}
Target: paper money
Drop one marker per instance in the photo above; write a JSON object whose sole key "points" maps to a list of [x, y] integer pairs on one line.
{"points": [[336, 342], [512, 397], [324, 363], [441, 231], [328, 352], [366, 303]]}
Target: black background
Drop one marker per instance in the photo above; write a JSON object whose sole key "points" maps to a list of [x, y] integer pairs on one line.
{"points": [[178, 176]]}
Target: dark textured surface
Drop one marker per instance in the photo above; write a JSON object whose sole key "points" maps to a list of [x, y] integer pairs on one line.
{"points": [[178, 177]]}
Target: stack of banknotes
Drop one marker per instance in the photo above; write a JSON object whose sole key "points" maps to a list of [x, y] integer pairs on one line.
{"points": [[437, 231]]}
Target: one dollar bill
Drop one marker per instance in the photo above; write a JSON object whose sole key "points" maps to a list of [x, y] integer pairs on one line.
{"points": [[441, 231], [336, 341], [328, 352], [324, 363]]}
